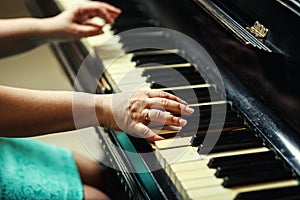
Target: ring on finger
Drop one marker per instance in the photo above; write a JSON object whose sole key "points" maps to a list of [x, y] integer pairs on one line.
{"points": [[147, 118]]}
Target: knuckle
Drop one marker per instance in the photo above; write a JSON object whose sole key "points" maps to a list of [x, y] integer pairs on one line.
{"points": [[164, 102], [133, 116], [179, 106], [163, 94], [133, 100]]}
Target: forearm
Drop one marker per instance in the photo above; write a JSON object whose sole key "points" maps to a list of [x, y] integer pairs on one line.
{"points": [[19, 35], [25, 113]]}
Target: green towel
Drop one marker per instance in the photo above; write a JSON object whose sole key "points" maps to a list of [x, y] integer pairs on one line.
{"points": [[34, 170]]}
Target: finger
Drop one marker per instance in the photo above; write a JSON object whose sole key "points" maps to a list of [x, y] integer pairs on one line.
{"points": [[86, 30], [175, 121], [109, 7], [169, 105], [167, 95], [164, 118], [146, 132], [94, 23], [89, 13], [155, 138], [100, 6], [100, 9]]}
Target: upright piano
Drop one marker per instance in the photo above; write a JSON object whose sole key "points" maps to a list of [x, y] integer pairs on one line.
{"points": [[241, 77]]}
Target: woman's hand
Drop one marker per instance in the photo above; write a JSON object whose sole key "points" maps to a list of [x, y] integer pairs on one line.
{"points": [[77, 22], [138, 111]]}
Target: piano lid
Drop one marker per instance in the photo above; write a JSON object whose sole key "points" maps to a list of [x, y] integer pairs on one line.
{"points": [[279, 17], [268, 66]]}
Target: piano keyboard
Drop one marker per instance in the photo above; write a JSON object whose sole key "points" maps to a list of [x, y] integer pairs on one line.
{"points": [[239, 166]]}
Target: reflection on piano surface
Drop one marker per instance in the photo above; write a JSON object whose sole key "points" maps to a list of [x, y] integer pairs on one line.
{"points": [[257, 154]]}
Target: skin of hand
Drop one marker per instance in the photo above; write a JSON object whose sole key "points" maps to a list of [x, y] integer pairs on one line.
{"points": [[128, 111], [77, 22]]}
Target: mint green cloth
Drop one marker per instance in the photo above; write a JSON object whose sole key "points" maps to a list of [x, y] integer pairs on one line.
{"points": [[34, 170]]}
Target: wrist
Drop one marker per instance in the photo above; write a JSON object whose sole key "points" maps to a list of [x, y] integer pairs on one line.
{"points": [[46, 29], [103, 109]]}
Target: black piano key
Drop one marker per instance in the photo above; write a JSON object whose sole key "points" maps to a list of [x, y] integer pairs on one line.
{"points": [[247, 167], [133, 41], [230, 114], [142, 50], [206, 114], [228, 121], [172, 71], [195, 95], [285, 193], [256, 177], [227, 118], [205, 123], [199, 138], [206, 110], [175, 76], [163, 71], [250, 157], [186, 93], [232, 145], [172, 77], [217, 107], [171, 82], [231, 125], [197, 99], [160, 59]]}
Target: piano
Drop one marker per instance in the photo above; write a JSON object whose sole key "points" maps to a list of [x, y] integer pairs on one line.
{"points": [[235, 61]]}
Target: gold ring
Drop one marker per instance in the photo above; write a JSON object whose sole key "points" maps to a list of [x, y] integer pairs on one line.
{"points": [[147, 118]]}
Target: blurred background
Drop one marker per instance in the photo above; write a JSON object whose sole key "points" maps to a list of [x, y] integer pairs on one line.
{"points": [[37, 69]]}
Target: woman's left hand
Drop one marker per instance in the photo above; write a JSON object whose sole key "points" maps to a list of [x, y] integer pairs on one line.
{"points": [[136, 112]]}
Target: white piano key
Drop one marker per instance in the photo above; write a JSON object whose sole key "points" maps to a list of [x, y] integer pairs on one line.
{"points": [[176, 155], [217, 192], [203, 182], [184, 171], [173, 142]]}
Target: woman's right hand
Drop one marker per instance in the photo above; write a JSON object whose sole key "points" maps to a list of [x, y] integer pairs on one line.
{"points": [[77, 22]]}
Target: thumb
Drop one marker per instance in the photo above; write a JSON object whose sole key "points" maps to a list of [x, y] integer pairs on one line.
{"points": [[145, 132], [88, 30]]}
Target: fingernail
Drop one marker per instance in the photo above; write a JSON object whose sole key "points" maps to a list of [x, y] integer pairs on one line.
{"points": [[155, 138], [182, 122], [189, 110], [184, 102]]}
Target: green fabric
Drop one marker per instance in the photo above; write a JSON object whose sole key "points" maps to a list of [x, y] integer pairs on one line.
{"points": [[34, 170]]}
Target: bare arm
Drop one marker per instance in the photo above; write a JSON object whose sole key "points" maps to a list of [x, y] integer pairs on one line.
{"points": [[25, 112], [18, 35]]}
